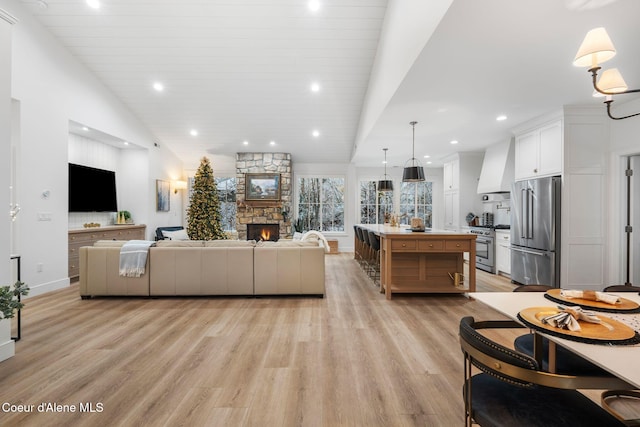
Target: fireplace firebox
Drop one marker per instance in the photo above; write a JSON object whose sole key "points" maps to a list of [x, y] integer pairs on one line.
{"points": [[265, 232]]}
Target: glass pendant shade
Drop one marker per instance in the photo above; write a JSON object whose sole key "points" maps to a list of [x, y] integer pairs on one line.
{"points": [[595, 49]]}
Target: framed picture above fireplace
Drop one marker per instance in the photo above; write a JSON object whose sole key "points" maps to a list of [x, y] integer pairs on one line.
{"points": [[262, 186]]}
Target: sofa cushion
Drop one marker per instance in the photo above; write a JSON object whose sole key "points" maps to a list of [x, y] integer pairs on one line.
{"points": [[289, 244], [229, 243], [180, 243], [109, 243]]}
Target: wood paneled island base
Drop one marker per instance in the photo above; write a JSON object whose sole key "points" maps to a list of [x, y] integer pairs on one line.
{"points": [[424, 262]]}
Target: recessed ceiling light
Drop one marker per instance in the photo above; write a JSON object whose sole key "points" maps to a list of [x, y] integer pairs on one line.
{"points": [[193, 132], [315, 87], [84, 128], [501, 118], [314, 5], [315, 133], [245, 142], [454, 142], [95, 4], [125, 143], [272, 143], [426, 156], [158, 87], [428, 163]]}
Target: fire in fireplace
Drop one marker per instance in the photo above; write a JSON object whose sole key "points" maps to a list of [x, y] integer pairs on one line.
{"points": [[265, 232]]}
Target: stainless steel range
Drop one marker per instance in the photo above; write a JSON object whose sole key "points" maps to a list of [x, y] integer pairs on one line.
{"points": [[485, 248]]}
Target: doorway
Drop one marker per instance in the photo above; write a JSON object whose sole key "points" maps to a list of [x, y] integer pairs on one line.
{"points": [[632, 221]]}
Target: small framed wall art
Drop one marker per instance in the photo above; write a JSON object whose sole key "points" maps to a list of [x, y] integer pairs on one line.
{"points": [[262, 186], [163, 195]]}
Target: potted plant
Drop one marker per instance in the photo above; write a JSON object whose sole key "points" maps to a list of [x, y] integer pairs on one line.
{"points": [[124, 217], [8, 299]]}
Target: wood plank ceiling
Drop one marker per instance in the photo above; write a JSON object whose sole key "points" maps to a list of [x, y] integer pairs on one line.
{"points": [[235, 70]]}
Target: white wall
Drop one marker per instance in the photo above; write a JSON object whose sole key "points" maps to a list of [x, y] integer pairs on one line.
{"points": [[7, 347], [52, 88], [625, 141]]}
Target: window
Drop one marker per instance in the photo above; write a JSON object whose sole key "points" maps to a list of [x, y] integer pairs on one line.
{"points": [[374, 204], [416, 201], [321, 203], [226, 187]]}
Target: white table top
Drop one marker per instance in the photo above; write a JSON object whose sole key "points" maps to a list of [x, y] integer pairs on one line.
{"points": [[622, 361]]}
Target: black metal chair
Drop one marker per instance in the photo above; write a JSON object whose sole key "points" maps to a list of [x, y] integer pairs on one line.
{"points": [[567, 362], [622, 288], [512, 390], [532, 288]]}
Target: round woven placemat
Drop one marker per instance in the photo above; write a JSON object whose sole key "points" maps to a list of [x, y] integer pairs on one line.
{"points": [[625, 306], [593, 333]]}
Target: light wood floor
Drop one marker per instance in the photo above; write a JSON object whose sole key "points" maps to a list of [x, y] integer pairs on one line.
{"points": [[350, 359]]}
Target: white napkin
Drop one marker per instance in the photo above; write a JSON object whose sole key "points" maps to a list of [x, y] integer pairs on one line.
{"points": [[568, 318], [591, 295]]}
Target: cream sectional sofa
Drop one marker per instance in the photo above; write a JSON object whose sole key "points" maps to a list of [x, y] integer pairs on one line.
{"points": [[201, 268], [206, 268], [289, 267]]}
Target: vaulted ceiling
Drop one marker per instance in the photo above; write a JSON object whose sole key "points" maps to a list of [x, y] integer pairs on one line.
{"points": [[242, 70]]}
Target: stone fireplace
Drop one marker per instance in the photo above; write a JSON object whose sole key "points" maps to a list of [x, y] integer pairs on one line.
{"points": [[265, 232], [264, 212]]}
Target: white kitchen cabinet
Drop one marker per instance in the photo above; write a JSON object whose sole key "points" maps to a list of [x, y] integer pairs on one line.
{"points": [[539, 152], [451, 177], [503, 253], [451, 210], [461, 173]]}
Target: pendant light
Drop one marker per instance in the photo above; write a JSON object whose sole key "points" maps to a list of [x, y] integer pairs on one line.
{"points": [[385, 184], [413, 171]]}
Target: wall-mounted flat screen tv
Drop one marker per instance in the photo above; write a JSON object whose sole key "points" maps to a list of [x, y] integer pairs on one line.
{"points": [[91, 189]]}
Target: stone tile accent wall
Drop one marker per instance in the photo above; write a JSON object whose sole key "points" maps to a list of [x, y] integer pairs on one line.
{"points": [[264, 212]]}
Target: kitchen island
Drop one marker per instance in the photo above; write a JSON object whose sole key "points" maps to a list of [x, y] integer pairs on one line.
{"points": [[424, 261]]}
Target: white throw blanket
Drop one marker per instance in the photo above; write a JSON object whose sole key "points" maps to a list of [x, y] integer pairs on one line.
{"points": [[133, 257]]}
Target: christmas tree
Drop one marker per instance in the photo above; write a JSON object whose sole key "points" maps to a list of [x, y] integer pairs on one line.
{"points": [[203, 216]]}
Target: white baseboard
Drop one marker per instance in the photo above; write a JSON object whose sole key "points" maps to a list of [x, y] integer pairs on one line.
{"points": [[43, 288]]}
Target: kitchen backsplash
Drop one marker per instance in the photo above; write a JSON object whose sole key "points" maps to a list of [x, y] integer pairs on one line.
{"points": [[501, 211]]}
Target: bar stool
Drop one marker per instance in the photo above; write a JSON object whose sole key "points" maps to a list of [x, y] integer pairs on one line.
{"points": [[366, 253], [374, 242], [356, 244], [361, 246]]}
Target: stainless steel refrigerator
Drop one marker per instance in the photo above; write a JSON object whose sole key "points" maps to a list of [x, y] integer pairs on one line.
{"points": [[535, 231]]}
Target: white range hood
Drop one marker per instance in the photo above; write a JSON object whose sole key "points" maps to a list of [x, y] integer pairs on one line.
{"points": [[497, 168]]}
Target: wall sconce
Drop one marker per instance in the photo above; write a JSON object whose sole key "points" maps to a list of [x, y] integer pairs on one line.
{"points": [[179, 185], [597, 48]]}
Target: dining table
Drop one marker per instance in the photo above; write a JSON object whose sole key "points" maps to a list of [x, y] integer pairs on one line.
{"points": [[622, 361]]}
